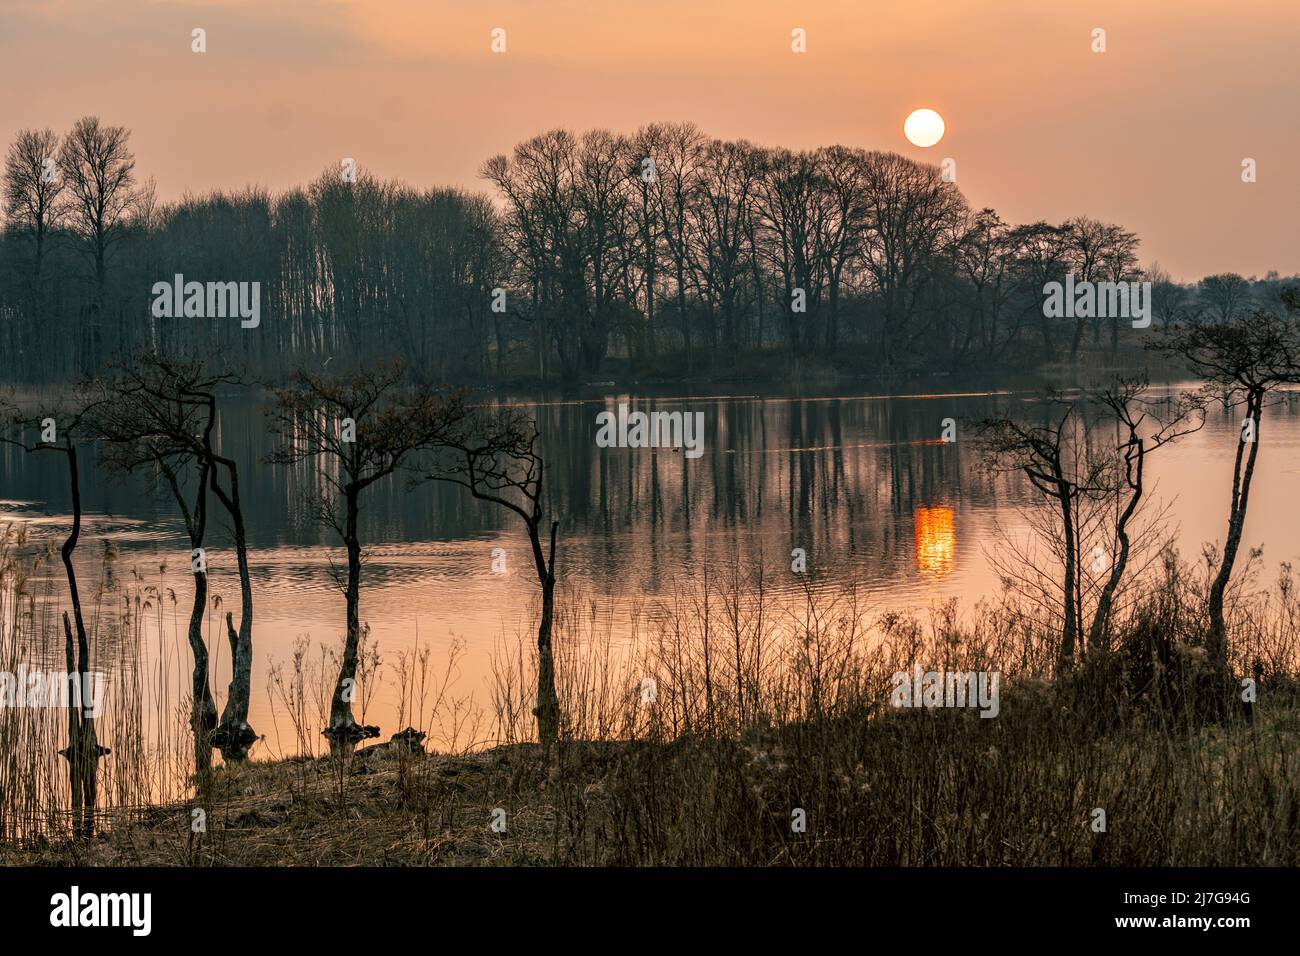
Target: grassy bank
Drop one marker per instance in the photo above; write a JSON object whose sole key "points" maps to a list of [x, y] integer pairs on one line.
{"points": [[889, 788]]}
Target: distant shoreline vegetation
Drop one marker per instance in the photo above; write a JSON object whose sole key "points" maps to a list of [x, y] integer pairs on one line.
{"points": [[661, 255]]}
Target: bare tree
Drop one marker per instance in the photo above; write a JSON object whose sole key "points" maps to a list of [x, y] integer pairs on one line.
{"points": [[1225, 295], [1098, 251], [497, 460], [32, 188], [846, 227], [603, 199], [60, 429], [1144, 425], [545, 228], [680, 159], [161, 381], [1056, 458], [1169, 301], [913, 217], [985, 258], [1243, 363], [362, 427], [719, 210], [150, 425], [644, 212], [794, 212], [99, 172]]}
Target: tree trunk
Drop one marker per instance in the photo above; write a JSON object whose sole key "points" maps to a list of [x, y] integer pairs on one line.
{"points": [[73, 753], [649, 348], [1107, 599], [1066, 659], [681, 309], [83, 750], [203, 710], [234, 735], [1217, 640], [344, 733], [548, 701]]}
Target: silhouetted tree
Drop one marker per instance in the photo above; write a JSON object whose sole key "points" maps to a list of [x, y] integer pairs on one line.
{"points": [[1225, 296], [156, 417], [606, 248], [32, 207], [361, 427], [101, 197], [496, 459], [1243, 363], [1144, 425], [1057, 460], [59, 429]]}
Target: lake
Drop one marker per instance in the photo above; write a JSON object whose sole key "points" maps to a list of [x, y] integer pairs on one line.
{"points": [[861, 482]]}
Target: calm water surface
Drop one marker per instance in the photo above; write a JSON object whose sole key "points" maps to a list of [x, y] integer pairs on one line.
{"points": [[860, 481]]}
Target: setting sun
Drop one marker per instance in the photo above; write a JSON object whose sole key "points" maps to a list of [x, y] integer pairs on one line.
{"points": [[923, 127]]}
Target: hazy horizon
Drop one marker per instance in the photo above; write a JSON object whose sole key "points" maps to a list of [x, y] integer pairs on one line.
{"points": [[1149, 134]]}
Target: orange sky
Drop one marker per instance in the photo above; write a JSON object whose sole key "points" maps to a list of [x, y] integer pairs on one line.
{"points": [[1150, 134]]}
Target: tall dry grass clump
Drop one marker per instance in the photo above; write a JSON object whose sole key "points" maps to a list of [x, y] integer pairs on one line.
{"points": [[134, 645]]}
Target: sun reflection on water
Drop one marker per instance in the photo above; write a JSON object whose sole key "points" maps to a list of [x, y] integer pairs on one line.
{"points": [[936, 542]]}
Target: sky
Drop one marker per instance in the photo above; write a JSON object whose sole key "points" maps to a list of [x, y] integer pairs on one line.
{"points": [[1151, 133]]}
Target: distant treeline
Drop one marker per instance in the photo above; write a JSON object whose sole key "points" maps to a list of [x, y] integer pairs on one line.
{"points": [[656, 254]]}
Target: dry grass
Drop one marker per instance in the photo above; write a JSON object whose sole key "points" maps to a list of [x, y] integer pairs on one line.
{"points": [[922, 788]]}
